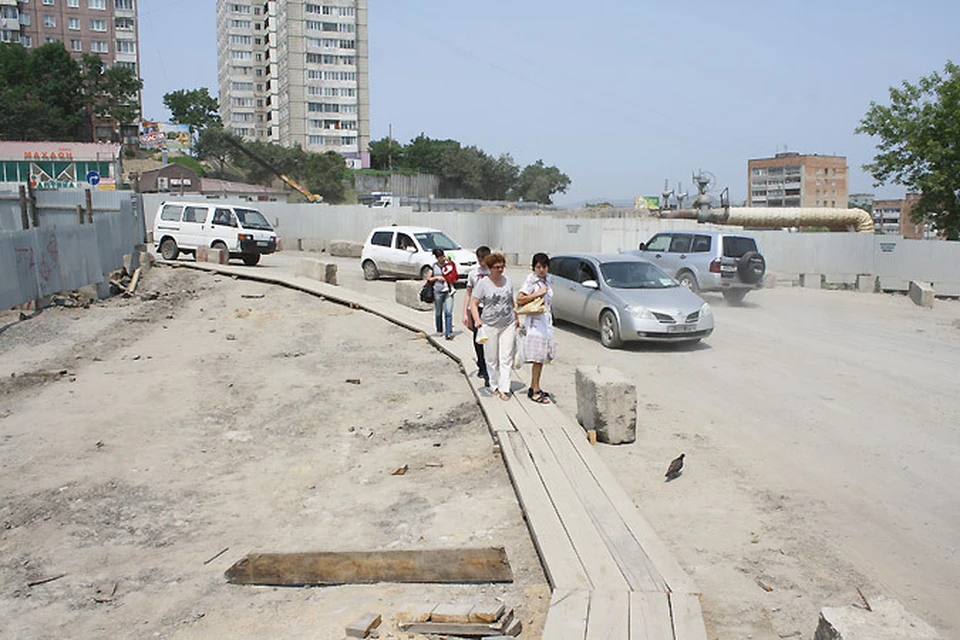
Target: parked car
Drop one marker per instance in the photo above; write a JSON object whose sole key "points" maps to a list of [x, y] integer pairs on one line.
{"points": [[708, 261], [626, 298], [181, 227], [408, 252]]}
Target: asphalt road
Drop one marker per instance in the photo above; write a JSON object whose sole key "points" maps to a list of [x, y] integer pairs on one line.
{"points": [[845, 402]]}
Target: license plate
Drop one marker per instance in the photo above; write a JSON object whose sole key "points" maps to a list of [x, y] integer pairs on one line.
{"points": [[681, 328], [263, 244]]}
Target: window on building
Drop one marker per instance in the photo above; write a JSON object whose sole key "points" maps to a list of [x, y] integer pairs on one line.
{"points": [[48, 3], [76, 45], [127, 65], [75, 4], [123, 5], [24, 18], [240, 8], [26, 41], [73, 24], [99, 46], [50, 40], [124, 24], [241, 24], [126, 46], [49, 21], [97, 4], [240, 39], [98, 25]]}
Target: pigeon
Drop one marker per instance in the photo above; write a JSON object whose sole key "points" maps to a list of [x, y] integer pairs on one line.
{"points": [[675, 467]]}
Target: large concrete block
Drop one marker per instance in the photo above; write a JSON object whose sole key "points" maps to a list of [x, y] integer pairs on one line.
{"points": [[408, 294], [345, 248], [607, 403], [811, 280], [217, 256], [888, 621], [921, 293], [770, 281], [840, 280], [317, 270], [866, 283]]}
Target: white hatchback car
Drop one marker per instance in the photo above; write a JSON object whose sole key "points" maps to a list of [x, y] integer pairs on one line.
{"points": [[408, 252]]}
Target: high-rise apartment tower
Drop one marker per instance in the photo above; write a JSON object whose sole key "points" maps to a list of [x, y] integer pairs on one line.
{"points": [[295, 73]]}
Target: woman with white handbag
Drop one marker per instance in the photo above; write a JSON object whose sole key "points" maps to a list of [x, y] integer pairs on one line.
{"points": [[533, 304], [498, 323]]}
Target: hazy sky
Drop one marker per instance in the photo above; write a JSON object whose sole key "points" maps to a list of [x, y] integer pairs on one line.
{"points": [[618, 95]]}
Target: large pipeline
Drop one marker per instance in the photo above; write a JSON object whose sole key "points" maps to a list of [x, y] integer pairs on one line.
{"points": [[834, 219]]}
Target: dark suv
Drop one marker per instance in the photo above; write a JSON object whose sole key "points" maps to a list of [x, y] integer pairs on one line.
{"points": [[708, 261]]}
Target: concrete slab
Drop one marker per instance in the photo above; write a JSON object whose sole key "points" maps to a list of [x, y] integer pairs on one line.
{"points": [[607, 403], [408, 294], [888, 621], [921, 293], [866, 283], [317, 270], [345, 248], [811, 280], [216, 256]]}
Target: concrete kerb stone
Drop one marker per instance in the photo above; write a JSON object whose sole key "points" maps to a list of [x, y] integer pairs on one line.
{"points": [[317, 270], [921, 293], [216, 256], [607, 403], [811, 280], [888, 620], [407, 293], [345, 249], [866, 283]]}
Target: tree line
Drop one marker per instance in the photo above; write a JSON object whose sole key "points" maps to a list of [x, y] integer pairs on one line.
{"points": [[45, 94], [468, 172]]}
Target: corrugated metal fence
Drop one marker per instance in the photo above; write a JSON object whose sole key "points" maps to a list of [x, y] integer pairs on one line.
{"points": [[59, 252]]}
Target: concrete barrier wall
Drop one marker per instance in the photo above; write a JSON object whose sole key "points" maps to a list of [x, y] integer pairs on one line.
{"points": [[521, 234], [62, 254]]}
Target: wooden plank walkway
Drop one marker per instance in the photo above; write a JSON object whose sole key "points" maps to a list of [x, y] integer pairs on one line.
{"points": [[612, 577]]}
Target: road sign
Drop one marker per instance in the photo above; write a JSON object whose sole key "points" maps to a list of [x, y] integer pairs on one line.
{"points": [[93, 178]]}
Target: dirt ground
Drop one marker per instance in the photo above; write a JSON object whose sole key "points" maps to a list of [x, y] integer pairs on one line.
{"points": [[212, 413]]}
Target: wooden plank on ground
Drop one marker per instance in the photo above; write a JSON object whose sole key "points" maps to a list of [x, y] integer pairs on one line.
{"points": [[495, 412], [663, 559], [596, 558], [638, 569], [609, 616], [687, 617], [560, 561], [567, 616], [365, 567], [650, 616]]}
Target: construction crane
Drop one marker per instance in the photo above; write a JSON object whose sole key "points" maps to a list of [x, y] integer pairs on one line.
{"points": [[311, 197]]}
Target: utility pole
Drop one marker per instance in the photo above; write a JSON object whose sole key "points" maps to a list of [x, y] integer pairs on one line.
{"points": [[390, 147]]}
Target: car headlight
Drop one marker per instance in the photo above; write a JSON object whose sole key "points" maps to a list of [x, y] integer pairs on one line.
{"points": [[706, 311], [639, 312]]}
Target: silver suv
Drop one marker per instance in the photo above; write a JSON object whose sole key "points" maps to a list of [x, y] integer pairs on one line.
{"points": [[708, 261]]}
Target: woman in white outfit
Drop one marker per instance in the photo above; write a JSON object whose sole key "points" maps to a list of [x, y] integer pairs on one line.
{"points": [[538, 344], [497, 324]]}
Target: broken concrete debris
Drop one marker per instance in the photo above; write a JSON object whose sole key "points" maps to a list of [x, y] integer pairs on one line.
{"points": [[463, 620], [361, 628]]}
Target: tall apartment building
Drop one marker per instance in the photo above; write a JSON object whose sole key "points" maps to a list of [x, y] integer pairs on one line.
{"points": [[293, 73], [104, 27], [795, 180]]}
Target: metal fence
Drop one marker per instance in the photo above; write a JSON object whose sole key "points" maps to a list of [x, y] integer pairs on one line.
{"points": [[63, 240]]}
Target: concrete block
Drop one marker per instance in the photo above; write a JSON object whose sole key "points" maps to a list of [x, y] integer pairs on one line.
{"points": [[131, 261], [361, 628], [317, 270], [770, 281], [408, 294], [891, 283], [345, 248], [921, 293], [840, 280], [811, 280], [96, 291], [312, 244], [866, 283], [217, 256], [888, 621], [607, 403]]}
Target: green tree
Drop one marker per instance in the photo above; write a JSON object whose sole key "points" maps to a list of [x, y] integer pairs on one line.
{"points": [[196, 108], [426, 155], [40, 93], [212, 146], [919, 146], [324, 173], [385, 154], [538, 182], [111, 94]]}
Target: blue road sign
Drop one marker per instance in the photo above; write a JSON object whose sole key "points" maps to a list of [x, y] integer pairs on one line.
{"points": [[93, 178]]}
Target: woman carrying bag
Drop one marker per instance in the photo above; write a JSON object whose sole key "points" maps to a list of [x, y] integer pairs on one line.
{"points": [[497, 325], [539, 347]]}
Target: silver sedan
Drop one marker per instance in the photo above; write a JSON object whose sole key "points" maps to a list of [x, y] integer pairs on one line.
{"points": [[626, 298]]}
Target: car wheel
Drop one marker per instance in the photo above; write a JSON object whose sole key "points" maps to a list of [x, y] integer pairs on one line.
{"points": [[751, 267], [426, 272], [688, 280], [370, 271], [169, 249], [251, 259], [735, 296], [222, 246], [610, 330]]}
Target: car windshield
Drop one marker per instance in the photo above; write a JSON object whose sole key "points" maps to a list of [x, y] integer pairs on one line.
{"points": [[252, 219], [635, 275], [430, 240]]}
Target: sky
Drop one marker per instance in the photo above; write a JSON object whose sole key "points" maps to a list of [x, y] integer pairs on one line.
{"points": [[619, 95]]}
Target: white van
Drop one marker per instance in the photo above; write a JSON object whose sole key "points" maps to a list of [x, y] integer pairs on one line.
{"points": [[408, 252], [181, 227]]}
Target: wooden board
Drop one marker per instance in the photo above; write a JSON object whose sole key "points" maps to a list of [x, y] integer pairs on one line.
{"points": [[567, 616], [609, 616], [650, 616], [365, 567], [687, 617], [597, 560], [560, 561]]}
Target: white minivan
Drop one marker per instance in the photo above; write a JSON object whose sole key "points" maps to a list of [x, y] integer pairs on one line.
{"points": [[181, 227]]}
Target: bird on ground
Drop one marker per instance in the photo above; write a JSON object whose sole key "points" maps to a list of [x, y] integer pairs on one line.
{"points": [[675, 468]]}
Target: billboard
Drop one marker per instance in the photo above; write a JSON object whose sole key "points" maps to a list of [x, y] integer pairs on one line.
{"points": [[646, 202], [156, 135]]}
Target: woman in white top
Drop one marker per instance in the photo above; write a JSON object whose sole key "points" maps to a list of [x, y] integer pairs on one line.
{"points": [[498, 323], [538, 343]]}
